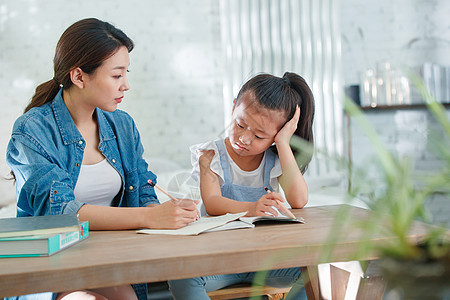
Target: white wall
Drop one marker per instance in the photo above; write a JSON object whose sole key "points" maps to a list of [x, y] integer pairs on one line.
{"points": [[175, 71], [403, 32]]}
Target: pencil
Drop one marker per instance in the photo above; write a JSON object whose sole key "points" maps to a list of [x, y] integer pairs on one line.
{"points": [[290, 214], [162, 190]]}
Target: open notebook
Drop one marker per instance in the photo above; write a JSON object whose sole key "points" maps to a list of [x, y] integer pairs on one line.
{"points": [[218, 223]]}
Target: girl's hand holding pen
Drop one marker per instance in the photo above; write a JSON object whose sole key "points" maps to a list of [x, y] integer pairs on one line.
{"points": [[281, 206], [266, 204]]}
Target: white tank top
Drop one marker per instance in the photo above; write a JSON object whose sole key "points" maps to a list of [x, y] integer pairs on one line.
{"points": [[97, 184]]}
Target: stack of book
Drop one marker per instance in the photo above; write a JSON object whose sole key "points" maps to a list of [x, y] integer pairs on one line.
{"points": [[40, 235]]}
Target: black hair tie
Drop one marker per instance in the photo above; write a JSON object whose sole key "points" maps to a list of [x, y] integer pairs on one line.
{"points": [[287, 81], [54, 80]]}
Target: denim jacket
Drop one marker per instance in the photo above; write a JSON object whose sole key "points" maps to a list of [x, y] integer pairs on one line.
{"points": [[45, 154], [46, 150]]}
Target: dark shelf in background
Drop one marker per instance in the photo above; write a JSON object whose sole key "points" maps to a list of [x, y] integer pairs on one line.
{"points": [[395, 107]]}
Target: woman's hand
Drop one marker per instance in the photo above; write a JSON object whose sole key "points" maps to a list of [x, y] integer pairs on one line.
{"points": [[173, 215], [285, 133], [266, 204]]}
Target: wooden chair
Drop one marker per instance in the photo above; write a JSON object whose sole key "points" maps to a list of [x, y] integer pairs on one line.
{"points": [[310, 278], [247, 290]]}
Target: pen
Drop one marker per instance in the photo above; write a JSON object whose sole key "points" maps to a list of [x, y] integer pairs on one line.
{"points": [[291, 215], [162, 190], [176, 200]]}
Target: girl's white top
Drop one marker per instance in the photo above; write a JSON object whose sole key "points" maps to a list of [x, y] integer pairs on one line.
{"points": [[253, 178], [97, 184]]}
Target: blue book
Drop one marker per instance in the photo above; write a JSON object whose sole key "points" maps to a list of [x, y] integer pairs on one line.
{"points": [[42, 245], [38, 225]]}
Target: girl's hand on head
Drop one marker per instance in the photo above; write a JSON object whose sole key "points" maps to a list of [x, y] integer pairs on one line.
{"points": [[285, 133], [173, 215], [265, 205]]}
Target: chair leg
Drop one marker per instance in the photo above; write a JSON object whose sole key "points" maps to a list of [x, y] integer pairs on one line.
{"points": [[310, 275], [339, 282]]}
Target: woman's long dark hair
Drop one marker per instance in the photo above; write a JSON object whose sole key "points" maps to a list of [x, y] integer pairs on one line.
{"points": [[85, 44], [285, 93]]}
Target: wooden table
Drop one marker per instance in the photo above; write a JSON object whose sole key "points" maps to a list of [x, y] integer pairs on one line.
{"points": [[109, 258]]}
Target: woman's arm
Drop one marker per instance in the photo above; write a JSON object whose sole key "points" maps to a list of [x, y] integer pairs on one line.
{"points": [[165, 216], [45, 188], [291, 181]]}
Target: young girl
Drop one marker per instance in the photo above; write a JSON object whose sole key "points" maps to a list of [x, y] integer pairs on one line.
{"points": [[234, 172], [73, 152]]}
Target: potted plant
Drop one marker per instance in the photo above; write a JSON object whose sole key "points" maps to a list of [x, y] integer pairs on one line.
{"points": [[397, 198]]}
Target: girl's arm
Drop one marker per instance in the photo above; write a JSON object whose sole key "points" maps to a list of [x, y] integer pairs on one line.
{"points": [[291, 181], [216, 204]]}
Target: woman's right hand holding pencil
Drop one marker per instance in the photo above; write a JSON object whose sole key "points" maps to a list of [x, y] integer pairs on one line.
{"points": [[171, 214], [179, 211]]}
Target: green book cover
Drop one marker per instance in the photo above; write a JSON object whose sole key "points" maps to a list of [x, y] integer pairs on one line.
{"points": [[42, 245], [34, 225]]}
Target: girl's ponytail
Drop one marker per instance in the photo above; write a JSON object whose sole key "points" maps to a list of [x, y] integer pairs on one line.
{"points": [[307, 109]]}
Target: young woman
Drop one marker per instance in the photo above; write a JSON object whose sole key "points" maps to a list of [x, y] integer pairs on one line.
{"points": [[234, 172], [73, 152]]}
